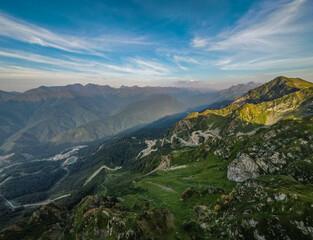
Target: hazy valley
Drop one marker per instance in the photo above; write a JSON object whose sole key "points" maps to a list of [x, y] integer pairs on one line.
{"points": [[241, 168]]}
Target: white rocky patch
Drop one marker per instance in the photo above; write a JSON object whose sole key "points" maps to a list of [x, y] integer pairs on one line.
{"points": [[280, 197], [176, 167], [258, 236], [66, 154], [306, 230], [242, 168], [5, 157], [148, 150], [194, 139]]}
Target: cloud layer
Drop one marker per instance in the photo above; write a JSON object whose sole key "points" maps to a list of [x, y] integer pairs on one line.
{"points": [[270, 37]]}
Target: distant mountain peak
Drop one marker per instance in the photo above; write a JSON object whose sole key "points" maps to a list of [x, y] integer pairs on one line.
{"points": [[267, 104], [276, 88]]}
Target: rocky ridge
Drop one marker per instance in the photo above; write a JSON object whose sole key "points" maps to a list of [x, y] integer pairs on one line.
{"points": [[255, 158], [285, 98]]}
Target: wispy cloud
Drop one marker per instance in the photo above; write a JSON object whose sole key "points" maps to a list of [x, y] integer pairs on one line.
{"points": [[33, 34], [184, 59], [268, 28], [270, 35], [260, 64], [151, 65], [199, 42], [133, 66], [71, 63]]}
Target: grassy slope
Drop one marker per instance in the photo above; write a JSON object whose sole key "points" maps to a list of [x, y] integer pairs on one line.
{"points": [[203, 170], [261, 113], [245, 116]]}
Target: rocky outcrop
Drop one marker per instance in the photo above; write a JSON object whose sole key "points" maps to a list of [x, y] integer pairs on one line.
{"points": [[267, 208], [279, 99], [94, 218], [242, 168], [285, 147], [46, 223], [105, 218]]}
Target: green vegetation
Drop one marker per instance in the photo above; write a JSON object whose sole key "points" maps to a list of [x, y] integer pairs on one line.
{"points": [[30, 177], [278, 206], [274, 89], [285, 98], [229, 185]]}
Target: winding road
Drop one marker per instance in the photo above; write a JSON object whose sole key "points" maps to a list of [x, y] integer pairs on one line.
{"points": [[10, 205], [97, 172], [149, 149]]}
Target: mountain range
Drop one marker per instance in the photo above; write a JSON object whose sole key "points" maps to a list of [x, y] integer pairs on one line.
{"points": [[281, 98], [238, 169], [40, 119]]}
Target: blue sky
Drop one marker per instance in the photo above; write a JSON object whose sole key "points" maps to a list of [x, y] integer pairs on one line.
{"points": [[207, 44]]}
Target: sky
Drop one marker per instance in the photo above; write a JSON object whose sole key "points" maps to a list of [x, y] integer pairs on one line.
{"points": [[199, 43]]}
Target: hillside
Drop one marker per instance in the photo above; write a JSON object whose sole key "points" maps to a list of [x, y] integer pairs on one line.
{"points": [[193, 190], [135, 114], [274, 89], [4, 96], [243, 171], [229, 94], [253, 110], [29, 121], [32, 118]]}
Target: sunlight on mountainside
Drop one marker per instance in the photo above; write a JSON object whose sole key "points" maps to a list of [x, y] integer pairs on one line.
{"points": [[156, 120]]}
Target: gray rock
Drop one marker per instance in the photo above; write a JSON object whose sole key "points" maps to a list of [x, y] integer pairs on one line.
{"points": [[242, 168]]}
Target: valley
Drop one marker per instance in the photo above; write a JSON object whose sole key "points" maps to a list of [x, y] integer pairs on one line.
{"points": [[156, 120], [46, 120], [237, 171]]}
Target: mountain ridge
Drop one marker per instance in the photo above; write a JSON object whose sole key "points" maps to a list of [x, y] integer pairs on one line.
{"points": [[274, 89], [190, 182], [162, 105], [38, 115], [252, 111]]}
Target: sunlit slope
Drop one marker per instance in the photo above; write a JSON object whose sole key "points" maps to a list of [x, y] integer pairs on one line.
{"points": [[279, 99]]}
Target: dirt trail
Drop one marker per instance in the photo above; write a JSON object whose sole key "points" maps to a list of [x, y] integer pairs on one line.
{"points": [[10, 205], [165, 164], [97, 172], [164, 188]]}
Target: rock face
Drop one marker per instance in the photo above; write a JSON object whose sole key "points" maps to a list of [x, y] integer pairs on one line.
{"points": [[274, 89], [267, 208], [46, 223], [105, 218], [49, 213], [283, 148], [272, 166], [279, 99], [242, 168], [94, 218]]}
